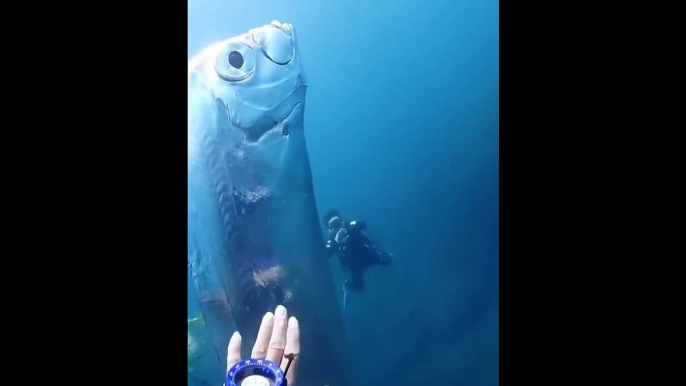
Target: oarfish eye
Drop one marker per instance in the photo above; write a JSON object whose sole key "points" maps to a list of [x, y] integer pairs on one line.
{"points": [[235, 62]]}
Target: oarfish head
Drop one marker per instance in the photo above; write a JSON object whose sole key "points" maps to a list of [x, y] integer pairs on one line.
{"points": [[258, 79]]}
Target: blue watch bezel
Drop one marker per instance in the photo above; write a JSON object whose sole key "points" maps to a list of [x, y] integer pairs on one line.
{"points": [[269, 367]]}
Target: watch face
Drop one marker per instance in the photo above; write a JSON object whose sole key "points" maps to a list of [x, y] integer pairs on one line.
{"points": [[256, 380], [255, 372]]}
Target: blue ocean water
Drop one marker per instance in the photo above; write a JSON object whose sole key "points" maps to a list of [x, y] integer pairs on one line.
{"points": [[402, 128]]}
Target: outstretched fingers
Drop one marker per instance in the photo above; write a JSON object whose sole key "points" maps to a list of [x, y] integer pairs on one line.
{"points": [[277, 343], [259, 350], [233, 355], [292, 347], [277, 337]]}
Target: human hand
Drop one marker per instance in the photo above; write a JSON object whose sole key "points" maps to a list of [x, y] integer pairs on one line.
{"points": [[278, 336], [341, 236]]}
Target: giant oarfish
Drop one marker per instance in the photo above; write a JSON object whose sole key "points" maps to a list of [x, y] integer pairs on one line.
{"points": [[254, 239]]}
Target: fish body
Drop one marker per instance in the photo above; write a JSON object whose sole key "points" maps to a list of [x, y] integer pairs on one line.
{"points": [[254, 240]]}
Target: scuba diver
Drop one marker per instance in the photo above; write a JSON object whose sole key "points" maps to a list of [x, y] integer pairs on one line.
{"points": [[356, 250]]}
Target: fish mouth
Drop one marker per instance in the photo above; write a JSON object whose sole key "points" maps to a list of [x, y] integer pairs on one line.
{"points": [[286, 38]]}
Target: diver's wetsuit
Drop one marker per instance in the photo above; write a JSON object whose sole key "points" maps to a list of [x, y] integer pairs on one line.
{"points": [[358, 253]]}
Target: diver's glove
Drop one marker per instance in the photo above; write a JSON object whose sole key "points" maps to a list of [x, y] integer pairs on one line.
{"points": [[342, 236]]}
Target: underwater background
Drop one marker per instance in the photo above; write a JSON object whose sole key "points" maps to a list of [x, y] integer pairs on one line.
{"points": [[402, 128]]}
